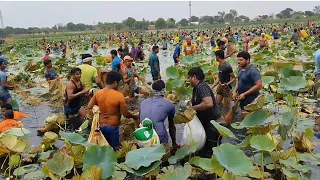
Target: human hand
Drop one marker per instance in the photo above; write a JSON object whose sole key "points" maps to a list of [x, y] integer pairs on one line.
{"points": [[234, 96], [242, 96], [159, 77]]}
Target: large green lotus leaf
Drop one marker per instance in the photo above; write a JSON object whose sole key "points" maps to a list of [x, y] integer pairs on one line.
{"points": [[205, 67], [102, 157], [216, 166], [44, 155], [270, 99], [262, 143], [74, 138], [119, 175], [293, 83], [307, 157], [256, 104], [50, 136], [309, 134], [267, 80], [254, 119], [18, 132], [77, 152], [176, 83], [181, 173], [12, 143], [288, 117], [172, 72], [25, 169], [144, 156], [35, 175], [142, 170], [288, 71], [189, 60], [180, 154], [225, 132], [14, 160], [267, 159], [233, 159], [245, 143], [60, 164]]}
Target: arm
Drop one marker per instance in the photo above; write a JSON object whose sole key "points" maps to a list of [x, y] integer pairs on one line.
{"points": [[233, 78], [156, 64], [70, 89], [124, 110], [172, 127], [92, 102], [5, 84], [204, 105], [125, 77], [257, 86], [97, 79], [216, 82]]}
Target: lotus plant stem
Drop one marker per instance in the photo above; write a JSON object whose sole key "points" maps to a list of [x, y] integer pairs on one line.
{"points": [[18, 168], [4, 161], [262, 166]]}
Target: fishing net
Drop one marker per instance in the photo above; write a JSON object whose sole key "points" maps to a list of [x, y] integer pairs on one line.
{"points": [[96, 137]]}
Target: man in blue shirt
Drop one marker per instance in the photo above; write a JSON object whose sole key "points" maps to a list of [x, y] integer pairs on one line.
{"points": [[249, 81], [317, 71], [275, 34], [116, 60], [154, 64], [5, 96], [157, 109], [177, 52]]}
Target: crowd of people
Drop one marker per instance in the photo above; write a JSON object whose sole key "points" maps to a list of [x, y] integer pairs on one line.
{"points": [[112, 102]]}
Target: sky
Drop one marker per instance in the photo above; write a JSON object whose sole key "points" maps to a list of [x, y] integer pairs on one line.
{"points": [[47, 14]]}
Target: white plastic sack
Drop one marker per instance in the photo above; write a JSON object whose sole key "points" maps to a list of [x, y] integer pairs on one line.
{"points": [[194, 131]]}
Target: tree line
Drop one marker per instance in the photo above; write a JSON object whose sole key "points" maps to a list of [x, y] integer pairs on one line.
{"points": [[130, 23]]}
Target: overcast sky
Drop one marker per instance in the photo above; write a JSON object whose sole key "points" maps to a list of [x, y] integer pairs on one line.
{"points": [[47, 14]]}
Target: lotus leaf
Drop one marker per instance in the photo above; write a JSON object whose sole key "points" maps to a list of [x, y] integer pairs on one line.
{"points": [[119, 175], [60, 164], [267, 79], [266, 159], [256, 104], [14, 160], [50, 136], [270, 99], [225, 132], [143, 170], [18, 132], [233, 159], [181, 173], [102, 157], [143, 157], [77, 152], [309, 134], [180, 154], [254, 119], [25, 169], [307, 157], [228, 176], [92, 173], [172, 72], [262, 143], [288, 117], [176, 83], [245, 143], [12, 143], [45, 155], [292, 162], [74, 138], [189, 60], [293, 83], [35, 175]]}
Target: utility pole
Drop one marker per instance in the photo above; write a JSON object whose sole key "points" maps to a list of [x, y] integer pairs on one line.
{"points": [[190, 12], [1, 20]]}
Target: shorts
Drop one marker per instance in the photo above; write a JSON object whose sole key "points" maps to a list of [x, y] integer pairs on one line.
{"points": [[175, 58], [71, 110], [224, 91], [112, 135], [5, 97], [164, 49]]}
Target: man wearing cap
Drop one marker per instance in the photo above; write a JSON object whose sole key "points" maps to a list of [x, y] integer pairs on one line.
{"points": [[158, 109], [89, 73], [128, 75], [5, 96]]}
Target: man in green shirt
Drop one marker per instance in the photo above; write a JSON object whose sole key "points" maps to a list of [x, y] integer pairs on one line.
{"points": [[89, 73]]}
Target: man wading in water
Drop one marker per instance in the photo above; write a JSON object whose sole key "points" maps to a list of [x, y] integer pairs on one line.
{"points": [[204, 103], [112, 105]]}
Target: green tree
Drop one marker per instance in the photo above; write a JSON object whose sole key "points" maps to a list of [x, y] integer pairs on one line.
{"points": [[316, 10], [184, 22], [242, 18], [309, 13], [71, 26], [234, 13], [194, 19], [287, 13], [171, 20], [160, 23], [279, 15], [170, 24], [264, 16], [206, 19], [222, 15], [228, 18], [129, 22]]}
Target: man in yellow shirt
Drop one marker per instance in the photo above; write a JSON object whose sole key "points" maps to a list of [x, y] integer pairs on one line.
{"points": [[89, 73], [189, 48], [177, 39]]}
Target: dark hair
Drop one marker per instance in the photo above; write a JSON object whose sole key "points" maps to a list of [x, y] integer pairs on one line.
{"points": [[155, 48], [114, 52], [75, 70], [1, 62], [220, 54], [120, 50], [196, 71], [295, 30], [46, 62], [220, 43], [83, 56], [9, 114], [245, 55], [113, 76], [158, 85], [7, 106]]}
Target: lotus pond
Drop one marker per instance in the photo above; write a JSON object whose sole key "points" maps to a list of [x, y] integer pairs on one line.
{"points": [[277, 140]]}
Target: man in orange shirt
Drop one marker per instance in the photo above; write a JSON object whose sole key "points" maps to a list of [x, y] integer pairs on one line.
{"points": [[112, 105], [8, 122], [16, 114]]}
